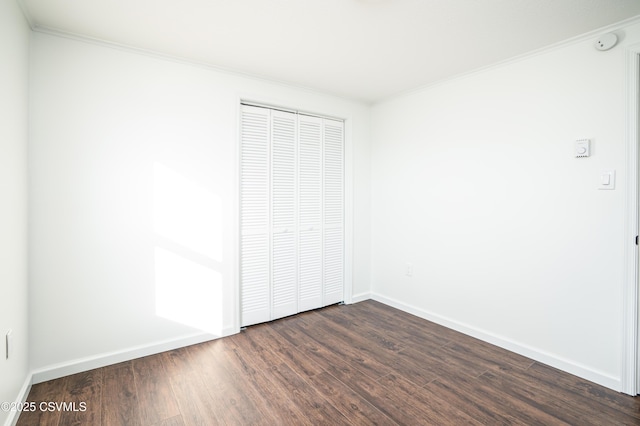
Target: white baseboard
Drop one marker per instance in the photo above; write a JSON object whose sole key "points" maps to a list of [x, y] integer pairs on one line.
{"points": [[513, 346], [360, 297], [12, 419], [101, 360], [89, 363]]}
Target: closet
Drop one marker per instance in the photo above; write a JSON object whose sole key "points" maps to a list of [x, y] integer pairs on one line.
{"points": [[291, 213]]}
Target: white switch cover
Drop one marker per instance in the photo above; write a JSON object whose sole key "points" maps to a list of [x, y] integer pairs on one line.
{"points": [[607, 179]]}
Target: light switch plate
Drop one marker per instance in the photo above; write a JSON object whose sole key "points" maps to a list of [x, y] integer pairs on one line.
{"points": [[607, 179]]}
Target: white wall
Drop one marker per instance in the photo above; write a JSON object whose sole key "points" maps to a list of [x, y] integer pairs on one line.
{"points": [[14, 74], [476, 184], [118, 140]]}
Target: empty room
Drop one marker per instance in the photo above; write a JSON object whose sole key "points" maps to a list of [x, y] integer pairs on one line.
{"points": [[335, 212]]}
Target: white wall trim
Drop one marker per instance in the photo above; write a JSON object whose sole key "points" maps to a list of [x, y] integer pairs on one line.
{"points": [[26, 13], [56, 371], [237, 232], [35, 27], [349, 183], [629, 365], [514, 59], [360, 297], [12, 419], [513, 346], [179, 59]]}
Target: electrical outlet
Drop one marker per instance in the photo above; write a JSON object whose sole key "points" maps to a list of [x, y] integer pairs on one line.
{"points": [[9, 344], [409, 270]]}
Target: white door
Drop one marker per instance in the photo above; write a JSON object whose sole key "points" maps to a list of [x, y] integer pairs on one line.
{"points": [[283, 214], [310, 212], [333, 203], [291, 213], [255, 195]]}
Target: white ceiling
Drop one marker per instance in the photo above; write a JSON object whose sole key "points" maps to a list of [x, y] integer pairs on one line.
{"points": [[361, 49]]}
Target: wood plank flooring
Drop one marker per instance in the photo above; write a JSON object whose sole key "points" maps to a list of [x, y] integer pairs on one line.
{"points": [[359, 364]]}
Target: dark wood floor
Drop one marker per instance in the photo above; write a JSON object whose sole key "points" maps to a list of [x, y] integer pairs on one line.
{"points": [[359, 364]]}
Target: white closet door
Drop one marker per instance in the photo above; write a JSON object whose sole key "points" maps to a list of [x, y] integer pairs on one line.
{"points": [[333, 211], [283, 214], [310, 212], [254, 215], [291, 213]]}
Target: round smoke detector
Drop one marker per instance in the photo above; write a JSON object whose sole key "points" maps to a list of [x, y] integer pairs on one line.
{"points": [[606, 41]]}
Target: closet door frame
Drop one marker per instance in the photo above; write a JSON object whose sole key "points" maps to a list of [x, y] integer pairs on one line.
{"points": [[348, 199]]}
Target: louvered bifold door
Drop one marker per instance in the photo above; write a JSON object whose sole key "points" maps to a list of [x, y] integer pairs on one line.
{"points": [[310, 212], [254, 215], [291, 213], [283, 214], [333, 211]]}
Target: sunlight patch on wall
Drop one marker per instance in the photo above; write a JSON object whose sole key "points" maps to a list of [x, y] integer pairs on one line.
{"points": [[187, 221], [188, 292], [187, 213]]}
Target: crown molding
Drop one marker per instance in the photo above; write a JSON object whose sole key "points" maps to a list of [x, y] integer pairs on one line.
{"points": [[514, 59], [26, 13], [181, 60]]}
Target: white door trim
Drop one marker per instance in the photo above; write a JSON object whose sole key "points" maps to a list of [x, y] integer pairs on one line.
{"points": [[630, 380]]}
